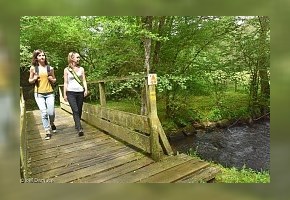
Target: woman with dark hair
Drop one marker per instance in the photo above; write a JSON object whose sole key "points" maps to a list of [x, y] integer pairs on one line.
{"points": [[42, 76], [75, 88]]}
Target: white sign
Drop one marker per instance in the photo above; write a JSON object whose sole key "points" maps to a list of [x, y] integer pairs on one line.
{"points": [[152, 79]]}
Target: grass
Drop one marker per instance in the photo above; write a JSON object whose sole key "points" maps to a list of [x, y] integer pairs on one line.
{"points": [[234, 175], [126, 105], [244, 175], [232, 103], [200, 108]]}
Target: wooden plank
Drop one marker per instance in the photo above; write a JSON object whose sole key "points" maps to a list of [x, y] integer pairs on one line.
{"points": [[138, 140], [65, 106], [66, 153], [66, 133], [96, 157], [102, 93], [76, 158], [62, 143], [23, 137], [163, 139], [117, 171], [175, 173], [150, 170], [121, 118], [98, 167], [80, 163], [113, 79], [54, 142], [201, 176]]}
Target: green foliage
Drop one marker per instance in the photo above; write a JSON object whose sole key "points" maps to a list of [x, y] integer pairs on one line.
{"points": [[215, 114], [245, 175], [127, 89], [234, 175], [192, 55], [25, 58], [180, 113], [126, 105]]}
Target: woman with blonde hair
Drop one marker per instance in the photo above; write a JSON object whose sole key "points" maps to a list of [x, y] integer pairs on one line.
{"points": [[75, 88]]}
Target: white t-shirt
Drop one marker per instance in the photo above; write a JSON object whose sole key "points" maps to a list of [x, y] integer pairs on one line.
{"points": [[72, 83]]}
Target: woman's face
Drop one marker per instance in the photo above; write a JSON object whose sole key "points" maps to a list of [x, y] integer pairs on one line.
{"points": [[41, 57], [76, 58]]}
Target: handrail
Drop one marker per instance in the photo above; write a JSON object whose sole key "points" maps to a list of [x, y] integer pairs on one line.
{"points": [[111, 79], [23, 146], [157, 143]]}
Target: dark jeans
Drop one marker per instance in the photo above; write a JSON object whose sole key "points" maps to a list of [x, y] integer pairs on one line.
{"points": [[76, 100]]}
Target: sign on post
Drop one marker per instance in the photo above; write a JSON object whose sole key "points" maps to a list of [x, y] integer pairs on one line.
{"points": [[152, 79]]}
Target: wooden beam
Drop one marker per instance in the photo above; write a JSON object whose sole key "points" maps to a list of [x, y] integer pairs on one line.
{"points": [[134, 138], [102, 93], [153, 121]]}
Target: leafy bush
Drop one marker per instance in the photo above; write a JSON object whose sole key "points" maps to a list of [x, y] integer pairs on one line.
{"points": [[181, 113]]}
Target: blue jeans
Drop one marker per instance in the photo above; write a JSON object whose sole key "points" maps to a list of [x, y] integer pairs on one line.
{"points": [[45, 103]]}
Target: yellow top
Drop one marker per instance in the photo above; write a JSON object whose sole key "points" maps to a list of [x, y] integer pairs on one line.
{"points": [[43, 85]]}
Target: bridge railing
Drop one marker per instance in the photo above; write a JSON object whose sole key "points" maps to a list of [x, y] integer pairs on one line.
{"points": [[142, 131], [23, 141]]}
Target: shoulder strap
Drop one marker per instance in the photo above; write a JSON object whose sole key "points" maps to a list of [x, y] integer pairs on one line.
{"points": [[36, 69], [75, 76]]}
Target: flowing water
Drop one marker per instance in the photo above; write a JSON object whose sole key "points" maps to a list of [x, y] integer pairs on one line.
{"points": [[243, 145]]}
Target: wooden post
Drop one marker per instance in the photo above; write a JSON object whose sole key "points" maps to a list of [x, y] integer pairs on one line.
{"points": [[153, 120], [60, 91], [102, 93]]}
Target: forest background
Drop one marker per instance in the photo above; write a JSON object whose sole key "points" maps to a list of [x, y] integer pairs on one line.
{"points": [[209, 68]]}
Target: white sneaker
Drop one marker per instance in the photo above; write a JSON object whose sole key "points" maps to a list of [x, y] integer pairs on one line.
{"points": [[48, 135], [53, 128]]}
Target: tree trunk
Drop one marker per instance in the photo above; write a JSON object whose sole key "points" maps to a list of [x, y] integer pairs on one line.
{"points": [[147, 24], [264, 65], [254, 86], [158, 44]]}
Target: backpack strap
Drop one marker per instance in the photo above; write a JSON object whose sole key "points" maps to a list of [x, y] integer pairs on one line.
{"points": [[36, 68], [75, 76], [48, 69]]}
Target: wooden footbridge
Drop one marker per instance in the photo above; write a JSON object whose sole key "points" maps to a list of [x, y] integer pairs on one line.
{"points": [[118, 147]]}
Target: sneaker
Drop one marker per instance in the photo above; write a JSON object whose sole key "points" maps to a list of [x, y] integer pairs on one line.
{"points": [[48, 135], [53, 128], [81, 132]]}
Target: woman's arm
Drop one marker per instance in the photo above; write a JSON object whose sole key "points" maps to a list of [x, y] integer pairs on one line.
{"points": [[51, 76], [85, 83], [65, 83], [32, 75]]}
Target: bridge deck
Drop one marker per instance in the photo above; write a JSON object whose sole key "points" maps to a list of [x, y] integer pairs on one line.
{"points": [[96, 157]]}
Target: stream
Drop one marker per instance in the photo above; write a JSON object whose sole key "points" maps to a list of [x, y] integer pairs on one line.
{"points": [[237, 146]]}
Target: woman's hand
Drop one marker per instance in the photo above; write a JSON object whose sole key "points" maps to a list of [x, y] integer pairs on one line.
{"points": [[51, 79], [65, 97], [85, 93], [35, 77]]}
